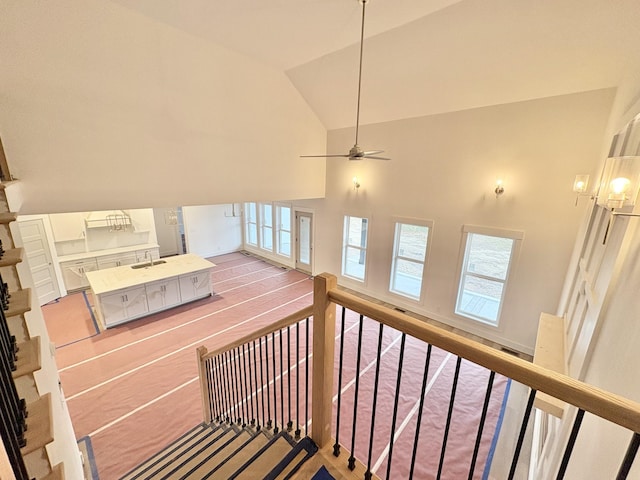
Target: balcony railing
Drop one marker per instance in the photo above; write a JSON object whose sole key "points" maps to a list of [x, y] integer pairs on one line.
{"points": [[264, 380]]}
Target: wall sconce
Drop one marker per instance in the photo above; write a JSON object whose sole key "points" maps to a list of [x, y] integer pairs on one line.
{"points": [[499, 190], [620, 182], [356, 183], [580, 186], [619, 187]]}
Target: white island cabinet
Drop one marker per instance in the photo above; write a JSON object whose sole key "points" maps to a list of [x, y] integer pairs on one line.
{"points": [[125, 293]]}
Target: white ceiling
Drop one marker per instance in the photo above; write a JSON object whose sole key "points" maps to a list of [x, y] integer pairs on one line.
{"points": [[421, 56]]}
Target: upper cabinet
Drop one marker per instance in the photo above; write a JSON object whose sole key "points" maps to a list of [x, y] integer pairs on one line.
{"points": [[67, 226]]}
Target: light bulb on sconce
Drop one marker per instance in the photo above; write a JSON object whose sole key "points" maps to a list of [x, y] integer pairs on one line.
{"points": [[499, 190], [618, 192], [580, 186], [356, 183]]}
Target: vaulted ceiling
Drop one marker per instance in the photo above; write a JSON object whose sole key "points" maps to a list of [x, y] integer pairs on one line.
{"points": [[420, 56]]}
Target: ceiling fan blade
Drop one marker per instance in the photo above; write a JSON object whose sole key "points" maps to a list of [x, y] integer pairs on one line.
{"points": [[373, 152], [376, 158], [323, 156]]}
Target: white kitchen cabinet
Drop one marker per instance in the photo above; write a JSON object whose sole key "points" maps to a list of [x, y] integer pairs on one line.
{"points": [[195, 285], [123, 305], [116, 260], [143, 255], [67, 226], [74, 273], [163, 294]]}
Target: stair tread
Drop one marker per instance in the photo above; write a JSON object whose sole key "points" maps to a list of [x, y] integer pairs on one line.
{"points": [[57, 473], [7, 217], [39, 427], [29, 359], [276, 449], [11, 256], [176, 447], [237, 458], [297, 460], [213, 454], [19, 303]]}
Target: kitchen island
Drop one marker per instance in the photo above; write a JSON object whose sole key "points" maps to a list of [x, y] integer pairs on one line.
{"points": [[124, 293]]}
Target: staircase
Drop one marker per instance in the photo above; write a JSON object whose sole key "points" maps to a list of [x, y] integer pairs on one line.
{"points": [[225, 452]]}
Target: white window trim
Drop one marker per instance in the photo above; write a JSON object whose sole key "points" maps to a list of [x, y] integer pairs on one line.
{"points": [[344, 246], [247, 222], [261, 226], [411, 221], [517, 236], [277, 229]]}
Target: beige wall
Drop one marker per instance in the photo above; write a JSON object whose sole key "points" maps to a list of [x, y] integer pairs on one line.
{"points": [[444, 169], [102, 108]]}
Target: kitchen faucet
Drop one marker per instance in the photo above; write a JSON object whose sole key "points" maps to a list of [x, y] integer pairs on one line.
{"points": [[147, 254]]}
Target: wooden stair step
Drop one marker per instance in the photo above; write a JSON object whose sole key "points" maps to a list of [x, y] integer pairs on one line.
{"points": [[265, 459], [7, 217], [300, 453], [205, 461], [236, 458], [29, 359], [57, 473], [39, 425], [171, 451], [11, 257], [19, 303], [336, 466]]}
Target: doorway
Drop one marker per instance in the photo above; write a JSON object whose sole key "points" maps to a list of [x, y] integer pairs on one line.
{"points": [[304, 242], [36, 247]]}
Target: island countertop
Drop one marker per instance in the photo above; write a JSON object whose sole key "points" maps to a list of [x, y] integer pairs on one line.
{"points": [[116, 278]]}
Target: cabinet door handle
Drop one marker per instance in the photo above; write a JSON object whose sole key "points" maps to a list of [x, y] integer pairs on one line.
{"points": [[126, 298]]}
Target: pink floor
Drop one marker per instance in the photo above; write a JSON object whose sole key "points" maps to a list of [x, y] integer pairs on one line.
{"points": [[133, 388]]}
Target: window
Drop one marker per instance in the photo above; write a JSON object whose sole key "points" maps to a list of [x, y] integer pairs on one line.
{"points": [[266, 226], [251, 225], [283, 243], [354, 253], [409, 256], [488, 255]]}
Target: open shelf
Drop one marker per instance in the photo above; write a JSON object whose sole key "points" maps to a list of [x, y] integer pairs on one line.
{"points": [[29, 359], [11, 257], [19, 303], [39, 425]]}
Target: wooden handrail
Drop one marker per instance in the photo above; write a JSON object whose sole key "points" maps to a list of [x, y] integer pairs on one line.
{"points": [[295, 317], [609, 406]]}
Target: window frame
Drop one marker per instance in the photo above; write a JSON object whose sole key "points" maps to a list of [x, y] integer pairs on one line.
{"points": [[395, 255], [278, 229], [517, 236], [248, 222], [263, 226], [346, 246]]}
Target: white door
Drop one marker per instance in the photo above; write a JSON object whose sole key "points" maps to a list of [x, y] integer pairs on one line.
{"points": [[304, 242], [36, 247]]}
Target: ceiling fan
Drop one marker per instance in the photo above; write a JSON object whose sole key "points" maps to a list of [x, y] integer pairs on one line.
{"points": [[356, 152]]}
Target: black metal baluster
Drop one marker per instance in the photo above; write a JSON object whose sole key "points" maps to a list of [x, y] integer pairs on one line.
{"points": [[629, 457], [12, 448], [275, 377], [306, 386], [16, 407], [222, 390], [266, 364], [247, 361], [368, 474], [395, 405], [483, 417], [449, 415], [241, 395], [297, 433], [235, 387], [420, 408], [255, 374], [523, 429], [570, 444], [216, 386], [281, 385], [266, 421], [336, 446], [352, 459], [290, 422]]}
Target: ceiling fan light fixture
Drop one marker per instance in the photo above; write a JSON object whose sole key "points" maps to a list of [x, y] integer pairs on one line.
{"points": [[356, 152]]}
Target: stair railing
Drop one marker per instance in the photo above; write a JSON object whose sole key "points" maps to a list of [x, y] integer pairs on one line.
{"points": [[223, 374], [261, 380]]}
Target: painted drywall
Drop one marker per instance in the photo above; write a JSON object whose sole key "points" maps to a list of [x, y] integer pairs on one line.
{"points": [[444, 169], [104, 108], [212, 229]]}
